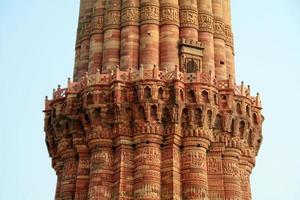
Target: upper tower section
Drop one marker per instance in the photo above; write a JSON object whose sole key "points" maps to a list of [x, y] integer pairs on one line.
{"points": [[195, 35]]}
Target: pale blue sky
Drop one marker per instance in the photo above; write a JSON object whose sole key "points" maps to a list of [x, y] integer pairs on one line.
{"points": [[37, 53]]}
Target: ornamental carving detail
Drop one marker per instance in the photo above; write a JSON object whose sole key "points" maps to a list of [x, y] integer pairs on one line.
{"points": [[214, 165], [130, 16], [194, 159], [219, 28], [206, 23], [193, 192], [148, 155], [169, 15], [189, 18], [70, 170], [228, 36], [98, 24], [112, 18], [230, 168], [84, 30], [149, 14]]}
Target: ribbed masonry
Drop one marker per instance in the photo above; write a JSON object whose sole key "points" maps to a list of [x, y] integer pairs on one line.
{"points": [[153, 111]]}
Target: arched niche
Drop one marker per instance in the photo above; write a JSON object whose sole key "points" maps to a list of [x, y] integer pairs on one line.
{"points": [[147, 93], [110, 116], [153, 112], [96, 116], [204, 96], [184, 117], [242, 126], [171, 95], [238, 108], [232, 126], [254, 119], [141, 113], [209, 118], [89, 99], [166, 117], [181, 95], [124, 95], [192, 66], [248, 110], [135, 97], [160, 93], [218, 123], [128, 115], [198, 117], [191, 96]]}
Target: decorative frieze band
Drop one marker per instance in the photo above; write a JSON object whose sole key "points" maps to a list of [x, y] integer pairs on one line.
{"points": [[83, 32], [150, 14], [206, 22], [189, 18], [194, 159], [229, 37], [97, 21], [214, 165], [230, 168], [97, 24], [130, 16], [148, 155], [112, 19], [169, 14], [219, 28]]}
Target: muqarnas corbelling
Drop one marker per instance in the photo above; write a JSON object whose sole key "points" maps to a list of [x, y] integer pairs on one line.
{"points": [[154, 111]]}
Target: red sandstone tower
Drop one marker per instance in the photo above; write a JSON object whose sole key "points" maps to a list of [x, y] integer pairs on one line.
{"points": [[153, 111]]}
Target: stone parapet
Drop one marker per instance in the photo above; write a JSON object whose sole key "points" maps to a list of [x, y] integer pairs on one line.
{"points": [[173, 115]]}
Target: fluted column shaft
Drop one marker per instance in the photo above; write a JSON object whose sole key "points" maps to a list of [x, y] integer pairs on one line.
{"points": [[206, 36], [215, 171], [111, 48], [101, 173], [246, 165], [149, 33], [189, 19], [81, 67], [77, 58], [229, 40], [68, 181], [58, 166], [83, 171], [231, 178], [194, 168], [169, 34], [147, 175], [171, 169], [123, 169], [219, 40], [78, 40], [130, 18], [96, 41]]}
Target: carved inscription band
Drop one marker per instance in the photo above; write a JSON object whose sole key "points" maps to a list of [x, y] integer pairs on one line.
{"points": [[206, 22], [130, 16], [150, 15], [188, 17], [219, 28], [169, 14], [229, 36]]}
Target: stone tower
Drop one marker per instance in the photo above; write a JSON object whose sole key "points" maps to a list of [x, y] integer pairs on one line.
{"points": [[153, 111]]}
